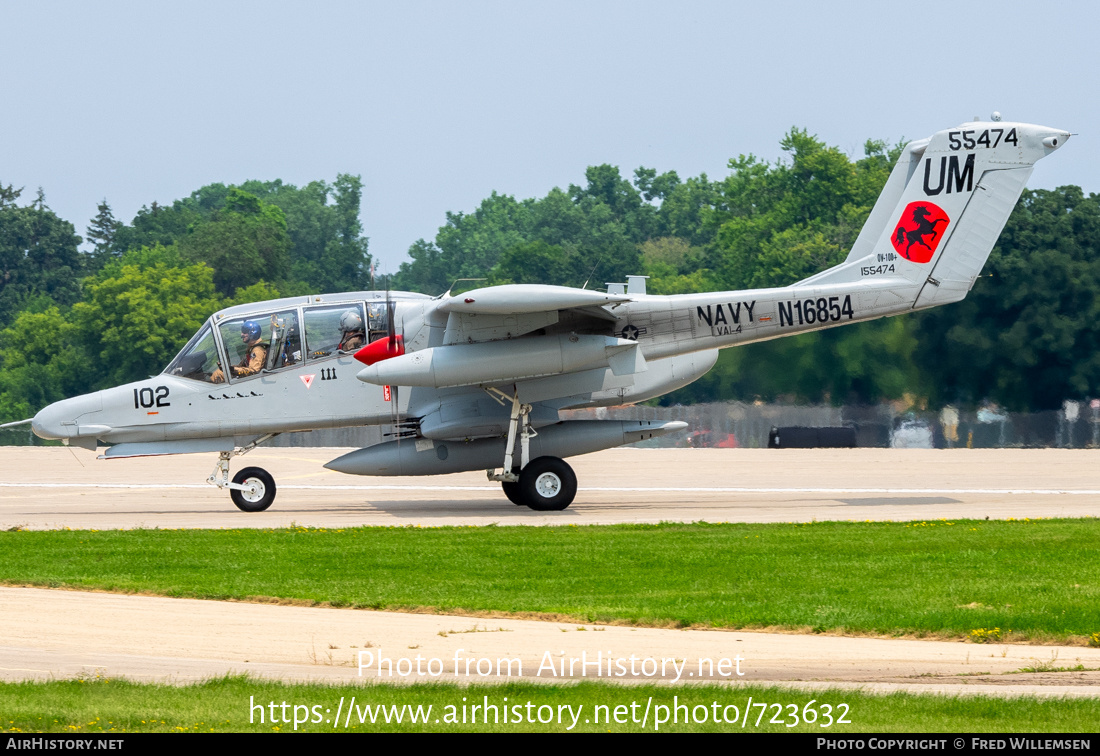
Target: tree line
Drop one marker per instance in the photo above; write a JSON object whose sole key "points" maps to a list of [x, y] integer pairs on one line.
{"points": [[1025, 338], [74, 320]]}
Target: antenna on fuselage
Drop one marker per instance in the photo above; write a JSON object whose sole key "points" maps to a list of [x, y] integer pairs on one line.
{"points": [[17, 422], [457, 281], [593, 271]]}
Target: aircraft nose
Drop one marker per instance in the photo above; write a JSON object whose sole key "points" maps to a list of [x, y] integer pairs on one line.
{"points": [[50, 421], [60, 419]]}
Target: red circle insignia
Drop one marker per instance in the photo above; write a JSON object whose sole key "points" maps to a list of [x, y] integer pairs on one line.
{"points": [[919, 231]]}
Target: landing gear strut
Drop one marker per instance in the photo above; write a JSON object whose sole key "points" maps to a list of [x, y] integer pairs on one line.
{"points": [[544, 484], [253, 488]]}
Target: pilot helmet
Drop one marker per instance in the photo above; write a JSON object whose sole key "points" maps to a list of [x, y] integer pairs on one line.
{"points": [[351, 321], [250, 330]]}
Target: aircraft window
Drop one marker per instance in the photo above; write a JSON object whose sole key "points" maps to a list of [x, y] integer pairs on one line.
{"points": [[333, 329], [268, 341], [379, 317], [199, 359], [286, 341]]}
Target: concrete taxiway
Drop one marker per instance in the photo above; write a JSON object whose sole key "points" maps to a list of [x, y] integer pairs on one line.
{"points": [[60, 487], [54, 634]]}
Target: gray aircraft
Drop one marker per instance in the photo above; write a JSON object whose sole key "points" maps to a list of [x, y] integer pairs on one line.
{"points": [[476, 380]]}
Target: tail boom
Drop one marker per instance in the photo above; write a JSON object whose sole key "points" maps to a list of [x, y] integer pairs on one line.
{"points": [[924, 244]]}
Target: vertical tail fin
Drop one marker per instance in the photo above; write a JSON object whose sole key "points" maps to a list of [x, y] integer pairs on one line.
{"points": [[943, 207]]}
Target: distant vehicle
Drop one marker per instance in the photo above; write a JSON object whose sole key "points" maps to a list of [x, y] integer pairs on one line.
{"points": [[476, 380], [912, 434], [708, 439], [990, 414]]}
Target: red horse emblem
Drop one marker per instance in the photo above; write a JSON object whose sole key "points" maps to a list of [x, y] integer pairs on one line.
{"points": [[919, 231]]}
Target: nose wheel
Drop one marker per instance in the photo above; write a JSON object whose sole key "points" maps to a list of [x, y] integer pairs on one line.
{"points": [[256, 492], [546, 484], [253, 488]]}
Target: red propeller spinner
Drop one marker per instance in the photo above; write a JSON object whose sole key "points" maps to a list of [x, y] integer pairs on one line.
{"points": [[381, 349]]}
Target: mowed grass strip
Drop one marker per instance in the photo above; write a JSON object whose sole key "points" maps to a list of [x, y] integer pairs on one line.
{"points": [[1036, 580], [241, 704]]}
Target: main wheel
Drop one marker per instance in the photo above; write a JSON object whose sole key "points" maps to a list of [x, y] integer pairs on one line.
{"points": [[511, 490], [547, 484], [262, 493]]}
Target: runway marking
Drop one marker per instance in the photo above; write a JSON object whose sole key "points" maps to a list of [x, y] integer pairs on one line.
{"points": [[634, 489]]}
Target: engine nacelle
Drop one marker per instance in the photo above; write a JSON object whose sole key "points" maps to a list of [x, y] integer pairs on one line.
{"points": [[506, 361]]}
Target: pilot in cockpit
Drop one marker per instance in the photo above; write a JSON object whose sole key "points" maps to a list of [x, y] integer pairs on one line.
{"points": [[254, 357], [352, 332]]}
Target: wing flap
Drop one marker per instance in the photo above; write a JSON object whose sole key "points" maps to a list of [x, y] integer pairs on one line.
{"points": [[470, 327]]}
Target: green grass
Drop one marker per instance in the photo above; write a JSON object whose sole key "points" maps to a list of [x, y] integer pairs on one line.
{"points": [[225, 704], [1036, 580]]}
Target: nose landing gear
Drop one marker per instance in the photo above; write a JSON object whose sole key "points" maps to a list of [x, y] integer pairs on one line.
{"points": [[253, 488], [256, 492]]}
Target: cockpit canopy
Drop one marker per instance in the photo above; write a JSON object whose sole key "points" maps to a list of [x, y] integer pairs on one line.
{"points": [[229, 345], [198, 359]]}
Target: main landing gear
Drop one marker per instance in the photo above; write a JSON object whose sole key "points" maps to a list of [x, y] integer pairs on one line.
{"points": [[545, 484], [253, 488]]}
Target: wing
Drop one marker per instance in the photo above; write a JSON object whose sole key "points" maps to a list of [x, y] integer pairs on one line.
{"points": [[506, 312], [527, 298]]}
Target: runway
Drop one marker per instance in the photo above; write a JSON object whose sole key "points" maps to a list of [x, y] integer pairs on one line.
{"points": [[42, 488]]}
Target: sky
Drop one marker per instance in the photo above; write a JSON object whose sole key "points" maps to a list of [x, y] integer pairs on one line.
{"points": [[437, 104]]}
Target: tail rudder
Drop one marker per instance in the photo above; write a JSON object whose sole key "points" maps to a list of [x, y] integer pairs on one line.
{"points": [[944, 206]]}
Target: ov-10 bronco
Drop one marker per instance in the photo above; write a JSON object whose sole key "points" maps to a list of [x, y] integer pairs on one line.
{"points": [[476, 380]]}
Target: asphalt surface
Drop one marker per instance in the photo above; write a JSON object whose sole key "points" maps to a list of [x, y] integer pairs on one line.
{"points": [[63, 487]]}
